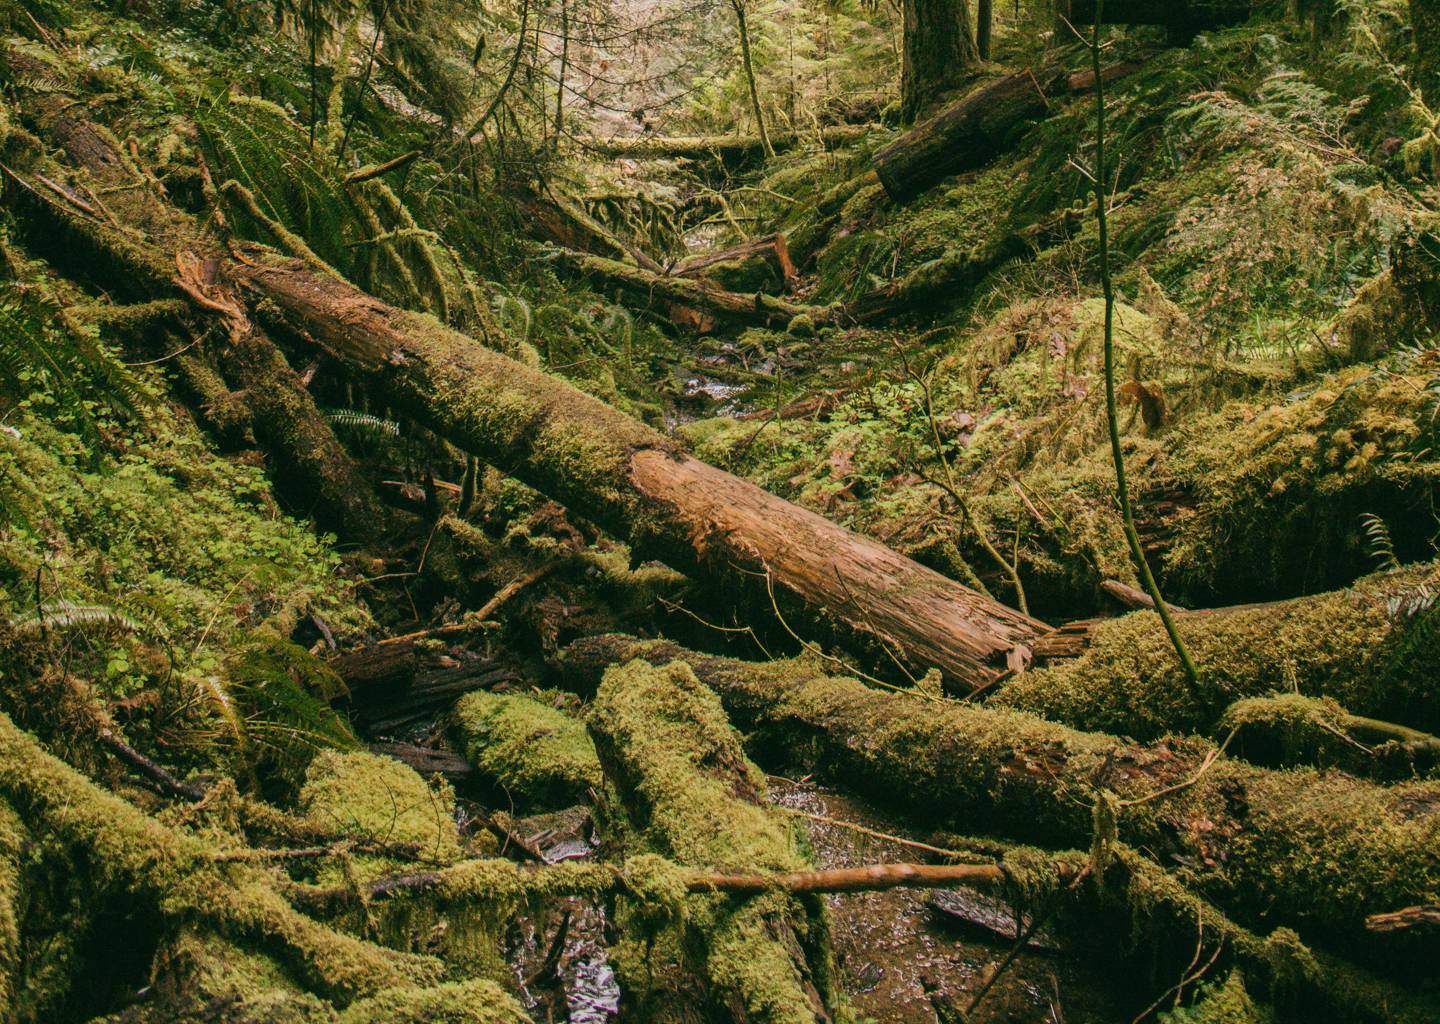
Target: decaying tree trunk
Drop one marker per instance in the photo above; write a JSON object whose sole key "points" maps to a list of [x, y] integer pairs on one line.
{"points": [[693, 796], [167, 868], [298, 442], [729, 149], [1368, 647], [1314, 851], [975, 128], [753, 308], [768, 249], [617, 472]]}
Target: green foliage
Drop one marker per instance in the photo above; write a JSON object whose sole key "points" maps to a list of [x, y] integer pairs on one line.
{"points": [[44, 360]]}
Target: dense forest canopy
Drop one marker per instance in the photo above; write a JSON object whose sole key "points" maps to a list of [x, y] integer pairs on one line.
{"points": [[703, 511]]}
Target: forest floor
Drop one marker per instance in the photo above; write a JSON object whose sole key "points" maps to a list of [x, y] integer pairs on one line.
{"points": [[409, 572]]}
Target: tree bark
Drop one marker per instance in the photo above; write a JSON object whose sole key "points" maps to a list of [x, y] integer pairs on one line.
{"points": [[984, 25], [939, 48], [1269, 847], [976, 128], [623, 475], [1425, 20]]}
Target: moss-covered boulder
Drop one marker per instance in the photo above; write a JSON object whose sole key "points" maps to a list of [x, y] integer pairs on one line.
{"points": [[537, 753]]}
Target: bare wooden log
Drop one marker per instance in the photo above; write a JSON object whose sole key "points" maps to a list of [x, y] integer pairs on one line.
{"points": [[976, 128], [1269, 847], [617, 472], [1427, 916], [729, 149], [754, 308], [771, 248]]}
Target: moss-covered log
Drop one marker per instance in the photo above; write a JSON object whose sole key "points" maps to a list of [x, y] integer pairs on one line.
{"points": [[619, 473], [690, 292], [1313, 850], [177, 874], [1370, 647], [537, 753], [310, 466], [976, 128], [691, 793]]}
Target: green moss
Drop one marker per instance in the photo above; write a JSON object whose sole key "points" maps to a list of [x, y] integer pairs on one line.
{"points": [[538, 754], [1223, 1002], [1366, 647], [12, 843], [380, 799], [695, 797], [461, 1002]]}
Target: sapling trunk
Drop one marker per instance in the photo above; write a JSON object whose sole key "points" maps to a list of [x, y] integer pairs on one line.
{"points": [[1112, 415]]}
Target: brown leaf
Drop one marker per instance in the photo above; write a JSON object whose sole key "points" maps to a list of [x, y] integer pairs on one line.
{"points": [[842, 463]]}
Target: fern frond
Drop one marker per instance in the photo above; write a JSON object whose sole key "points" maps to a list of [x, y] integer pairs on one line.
{"points": [[61, 615], [362, 422], [1382, 546]]}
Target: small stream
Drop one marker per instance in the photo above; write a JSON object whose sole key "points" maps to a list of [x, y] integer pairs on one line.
{"points": [[890, 946]]}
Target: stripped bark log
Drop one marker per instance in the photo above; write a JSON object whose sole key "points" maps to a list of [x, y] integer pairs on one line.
{"points": [[729, 149], [1315, 851], [973, 130], [736, 307], [622, 475]]}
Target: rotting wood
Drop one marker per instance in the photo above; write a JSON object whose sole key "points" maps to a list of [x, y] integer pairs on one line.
{"points": [[617, 472], [729, 149], [738, 307], [974, 129], [765, 248], [1250, 837]]}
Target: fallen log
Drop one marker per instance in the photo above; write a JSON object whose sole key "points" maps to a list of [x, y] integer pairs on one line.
{"points": [[736, 307], [304, 455], [1369, 647], [617, 472], [728, 149], [765, 249], [1315, 851], [693, 796], [535, 753], [973, 130], [177, 872]]}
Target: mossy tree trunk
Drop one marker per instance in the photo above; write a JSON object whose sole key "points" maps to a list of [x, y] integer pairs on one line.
{"points": [[1425, 20], [570, 446], [939, 48], [1310, 850], [693, 796]]}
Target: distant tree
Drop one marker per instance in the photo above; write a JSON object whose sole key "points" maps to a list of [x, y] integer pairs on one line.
{"points": [[1425, 19], [984, 21], [939, 48], [743, 26]]}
